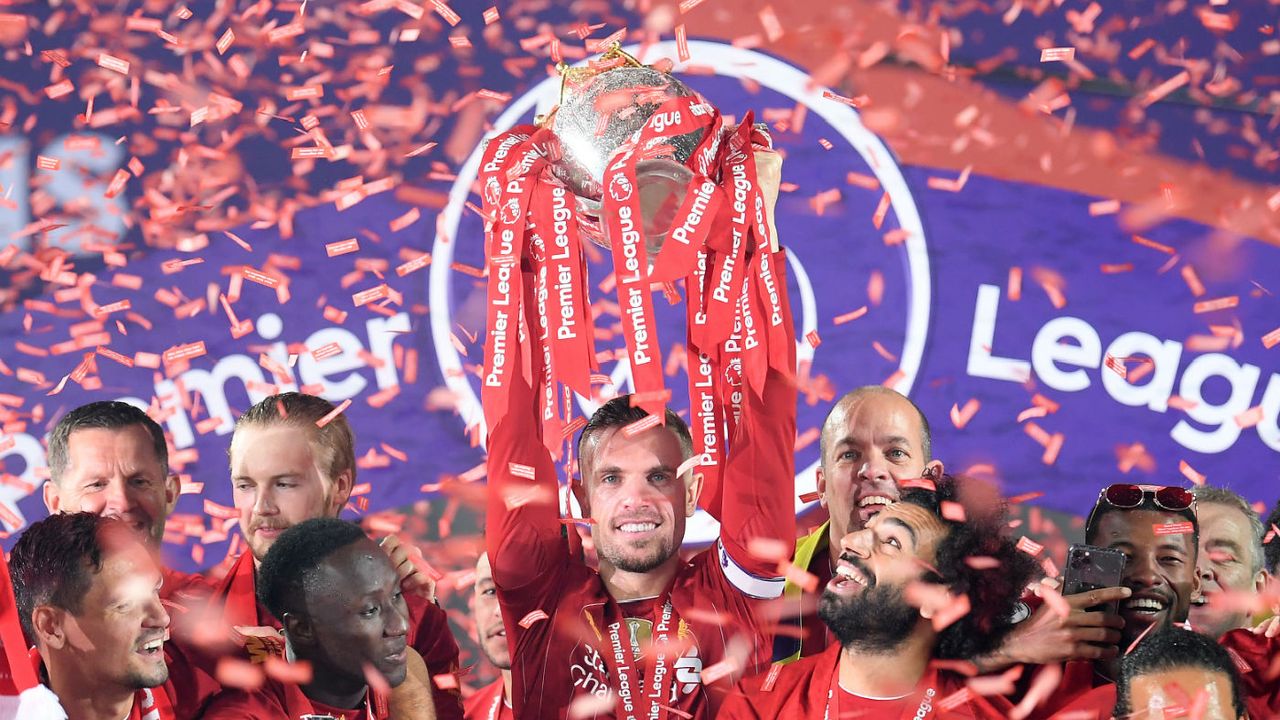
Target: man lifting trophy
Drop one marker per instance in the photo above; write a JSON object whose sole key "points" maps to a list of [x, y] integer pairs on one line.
{"points": [[636, 162]]}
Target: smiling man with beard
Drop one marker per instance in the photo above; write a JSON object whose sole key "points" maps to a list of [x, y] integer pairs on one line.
{"points": [[345, 615], [643, 631], [873, 439], [891, 604]]}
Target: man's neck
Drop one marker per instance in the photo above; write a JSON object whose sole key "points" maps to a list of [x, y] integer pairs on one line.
{"points": [[623, 585], [335, 692], [506, 685], [888, 674], [82, 702]]}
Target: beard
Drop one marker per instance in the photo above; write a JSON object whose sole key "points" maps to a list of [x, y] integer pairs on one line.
{"points": [[877, 620], [142, 679], [637, 560]]}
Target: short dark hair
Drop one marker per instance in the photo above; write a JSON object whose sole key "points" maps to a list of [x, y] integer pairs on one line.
{"points": [[54, 562], [102, 415], [294, 558], [1227, 498], [1173, 648], [1103, 508], [1272, 548], [335, 439], [980, 532], [619, 412]]}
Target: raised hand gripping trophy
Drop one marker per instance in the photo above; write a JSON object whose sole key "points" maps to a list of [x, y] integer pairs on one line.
{"points": [[635, 161]]}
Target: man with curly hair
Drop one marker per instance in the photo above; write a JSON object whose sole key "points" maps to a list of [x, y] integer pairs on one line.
{"points": [[931, 577]]}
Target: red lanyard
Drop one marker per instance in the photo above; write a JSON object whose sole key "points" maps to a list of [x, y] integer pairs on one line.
{"points": [[658, 678], [925, 710]]}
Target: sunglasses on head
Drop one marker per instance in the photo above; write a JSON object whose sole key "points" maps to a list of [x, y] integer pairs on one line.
{"points": [[1128, 496]]}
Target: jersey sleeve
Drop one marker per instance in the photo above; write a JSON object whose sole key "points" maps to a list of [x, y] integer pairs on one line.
{"points": [[434, 641], [758, 486], [527, 545]]}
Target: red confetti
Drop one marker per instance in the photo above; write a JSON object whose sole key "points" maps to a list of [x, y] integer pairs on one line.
{"points": [[1029, 546], [532, 618], [641, 425], [961, 416], [1222, 303], [446, 12], [342, 247], [1057, 54], [184, 352], [110, 62], [1178, 528], [225, 41], [333, 413]]}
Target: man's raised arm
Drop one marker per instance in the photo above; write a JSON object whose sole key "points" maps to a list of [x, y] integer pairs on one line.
{"points": [[523, 533]]}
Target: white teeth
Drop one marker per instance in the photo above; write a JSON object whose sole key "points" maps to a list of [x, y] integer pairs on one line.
{"points": [[1145, 604], [874, 500], [847, 571], [638, 527], [153, 645]]}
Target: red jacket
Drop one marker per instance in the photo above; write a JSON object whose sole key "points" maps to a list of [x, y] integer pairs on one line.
{"points": [[802, 690]]}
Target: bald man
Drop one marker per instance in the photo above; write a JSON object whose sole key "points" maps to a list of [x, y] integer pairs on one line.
{"points": [[873, 440]]}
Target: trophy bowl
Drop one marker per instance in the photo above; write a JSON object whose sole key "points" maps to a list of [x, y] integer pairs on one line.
{"points": [[598, 113]]}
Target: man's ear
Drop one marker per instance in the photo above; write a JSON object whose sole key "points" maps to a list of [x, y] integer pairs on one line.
{"points": [[342, 490], [172, 488], [52, 497], [692, 491], [299, 629], [1261, 579], [822, 485], [578, 486], [933, 470], [49, 624]]}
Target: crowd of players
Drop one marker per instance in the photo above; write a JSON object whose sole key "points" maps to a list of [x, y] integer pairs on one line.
{"points": [[913, 601]]}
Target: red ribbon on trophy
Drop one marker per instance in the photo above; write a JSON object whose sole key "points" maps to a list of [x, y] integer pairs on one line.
{"points": [[636, 162]]}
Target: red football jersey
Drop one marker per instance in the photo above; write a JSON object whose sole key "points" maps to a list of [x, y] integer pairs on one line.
{"points": [[807, 689], [184, 588], [280, 701], [556, 608], [488, 703], [1257, 657]]}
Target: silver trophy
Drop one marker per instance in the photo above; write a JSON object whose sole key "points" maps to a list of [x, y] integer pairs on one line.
{"points": [[599, 111]]}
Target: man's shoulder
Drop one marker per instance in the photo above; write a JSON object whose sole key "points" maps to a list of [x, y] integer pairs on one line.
{"points": [[184, 588], [236, 704]]}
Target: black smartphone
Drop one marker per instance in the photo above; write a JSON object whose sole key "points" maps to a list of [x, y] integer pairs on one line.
{"points": [[1091, 568]]}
